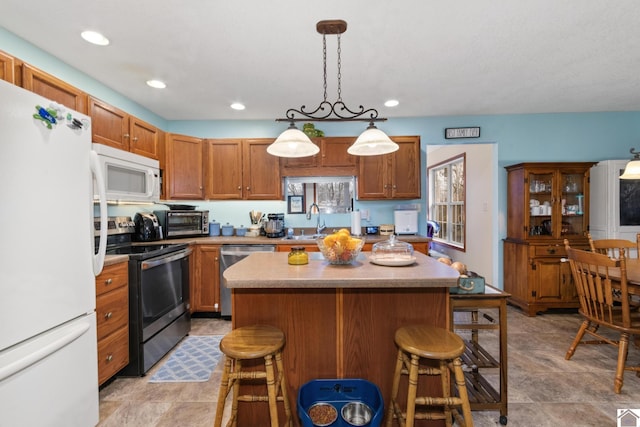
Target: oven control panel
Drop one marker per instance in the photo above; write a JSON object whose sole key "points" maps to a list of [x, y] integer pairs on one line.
{"points": [[115, 225]]}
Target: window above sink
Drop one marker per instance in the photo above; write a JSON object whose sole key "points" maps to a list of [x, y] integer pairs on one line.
{"points": [[332, 195]]}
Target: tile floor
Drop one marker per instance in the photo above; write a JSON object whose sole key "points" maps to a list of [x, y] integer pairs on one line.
{"points": [[544, 389]]}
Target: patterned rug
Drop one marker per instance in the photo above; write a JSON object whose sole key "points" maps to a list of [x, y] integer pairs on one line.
{"points": [[193, 360]]}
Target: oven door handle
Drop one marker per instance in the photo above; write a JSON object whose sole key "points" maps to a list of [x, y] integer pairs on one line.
{"points": [[146, 265]]}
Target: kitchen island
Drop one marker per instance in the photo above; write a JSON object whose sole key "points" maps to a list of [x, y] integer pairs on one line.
{"points": [[339, 320]]}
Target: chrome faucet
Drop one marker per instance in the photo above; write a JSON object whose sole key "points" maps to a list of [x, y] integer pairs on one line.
{"points": [[319, 227]]}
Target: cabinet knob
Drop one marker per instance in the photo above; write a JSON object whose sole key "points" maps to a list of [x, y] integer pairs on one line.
{"points": [[135, 138], [239, 187], [108, 281], [126, 135], [108, 315], [395, 186], [109, 358], [248, 188]]}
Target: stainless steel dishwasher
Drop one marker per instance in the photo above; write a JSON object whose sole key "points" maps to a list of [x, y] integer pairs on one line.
{"points": [[229, 255]]}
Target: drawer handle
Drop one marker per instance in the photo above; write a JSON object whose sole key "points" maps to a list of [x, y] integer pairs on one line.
{"points": [[108, 281], [109, 358], [108, 315]]}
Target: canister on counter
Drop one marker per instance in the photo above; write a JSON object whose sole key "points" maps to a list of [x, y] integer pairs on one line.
{"points": [[386, 229], [298, 256]]}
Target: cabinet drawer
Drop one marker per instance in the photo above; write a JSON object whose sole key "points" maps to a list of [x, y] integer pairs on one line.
{"points": [[112, 311], [549, 250], [112, 276], [113, 354]]}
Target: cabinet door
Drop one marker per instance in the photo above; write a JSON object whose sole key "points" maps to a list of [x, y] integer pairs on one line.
{"points": [[372, 177], [53, 88], [144, 138], [185, 167], [7, 65], [291, 166], [547, 280], [541, 204], [260, 171], [573, 202], [223, 169], [333, 153], [405, 169], [109, 125], [206, 292]]}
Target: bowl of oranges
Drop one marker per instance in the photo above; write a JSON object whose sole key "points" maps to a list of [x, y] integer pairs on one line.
{"points": [[340, 247]]}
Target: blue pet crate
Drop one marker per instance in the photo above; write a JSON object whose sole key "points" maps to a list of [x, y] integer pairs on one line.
{"points": [[339, 392]]}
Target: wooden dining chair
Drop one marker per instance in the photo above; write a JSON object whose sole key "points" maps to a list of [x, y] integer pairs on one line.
{"points": [[604, 302], [611, 247]]}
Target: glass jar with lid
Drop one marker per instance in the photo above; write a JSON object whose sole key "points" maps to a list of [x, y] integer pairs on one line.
{"points": [[298, 256]]}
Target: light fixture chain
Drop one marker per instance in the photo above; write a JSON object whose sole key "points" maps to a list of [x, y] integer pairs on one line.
{"points": [[339, 72], [324, 61]]}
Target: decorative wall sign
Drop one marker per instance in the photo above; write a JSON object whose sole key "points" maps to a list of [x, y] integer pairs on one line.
{"points": [[452, 133], [296, 205]]}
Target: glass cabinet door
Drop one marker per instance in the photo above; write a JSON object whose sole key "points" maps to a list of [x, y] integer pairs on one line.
{"points": [[541, 206], [572, 204]]}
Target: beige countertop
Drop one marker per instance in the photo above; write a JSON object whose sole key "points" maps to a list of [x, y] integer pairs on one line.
{"points": [[115, 259], [271, 270], [262, 240]]}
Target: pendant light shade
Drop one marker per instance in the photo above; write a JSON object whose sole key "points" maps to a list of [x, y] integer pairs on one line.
{"points": [[293, 143], [632, 170], [372, 142]]}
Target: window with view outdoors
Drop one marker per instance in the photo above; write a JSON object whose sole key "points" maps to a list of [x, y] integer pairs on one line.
{"points": [[447, 201]]}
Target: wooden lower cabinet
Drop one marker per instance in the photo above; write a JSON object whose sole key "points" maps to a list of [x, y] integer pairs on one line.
{"points": [[112, 318], [537, 277], [205, 286]]}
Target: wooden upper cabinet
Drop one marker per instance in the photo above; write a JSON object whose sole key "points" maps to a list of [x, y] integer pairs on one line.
{"points": [[109, 125], [332, 160], [53, 88], [241, 169], [114, 127], [260, 171], [144, 138], [184, 167], [391, 176], [7, 68], [223, 169]]}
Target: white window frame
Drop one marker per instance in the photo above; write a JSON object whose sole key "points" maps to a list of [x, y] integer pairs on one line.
{"points": [[450, 214]]}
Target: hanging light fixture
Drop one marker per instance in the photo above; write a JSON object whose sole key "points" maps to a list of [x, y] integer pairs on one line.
{"points": [[295, 143], [632, 170]]}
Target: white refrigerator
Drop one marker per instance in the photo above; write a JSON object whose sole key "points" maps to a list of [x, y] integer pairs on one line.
{"points": [[48, 349]]}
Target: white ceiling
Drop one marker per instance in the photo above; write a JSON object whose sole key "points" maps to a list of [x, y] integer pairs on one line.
{"points": [[464, 57]]}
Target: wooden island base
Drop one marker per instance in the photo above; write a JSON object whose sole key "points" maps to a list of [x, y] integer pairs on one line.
{"points": [[338, 333]]}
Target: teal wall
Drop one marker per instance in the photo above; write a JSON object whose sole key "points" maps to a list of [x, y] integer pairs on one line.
{"points": [[521, 137]]}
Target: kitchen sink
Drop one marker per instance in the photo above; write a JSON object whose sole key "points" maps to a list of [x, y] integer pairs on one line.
{"points": [[304, 237]]}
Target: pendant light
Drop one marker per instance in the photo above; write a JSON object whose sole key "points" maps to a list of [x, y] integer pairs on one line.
{"points": [[294, 143], [632, 170]]}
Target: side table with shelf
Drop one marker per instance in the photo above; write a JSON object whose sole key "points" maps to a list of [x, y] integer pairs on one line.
{"points": [[474, 313]]}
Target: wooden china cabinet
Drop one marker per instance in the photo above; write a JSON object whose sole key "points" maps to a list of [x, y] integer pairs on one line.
{"points": [[546, 203]]}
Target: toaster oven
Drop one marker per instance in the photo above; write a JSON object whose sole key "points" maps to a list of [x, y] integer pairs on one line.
{"points": [[183, 223]]}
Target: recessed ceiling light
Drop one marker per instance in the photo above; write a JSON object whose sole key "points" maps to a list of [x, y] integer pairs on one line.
{"points": [[238, 106], [156, 84], [391, 103], [95, 38]]}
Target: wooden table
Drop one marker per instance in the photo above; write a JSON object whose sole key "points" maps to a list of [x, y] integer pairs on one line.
{"points": [[339, 320], [482, 394]]}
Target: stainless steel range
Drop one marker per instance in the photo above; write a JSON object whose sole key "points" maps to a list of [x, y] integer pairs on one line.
{"points": [[158, 294]]}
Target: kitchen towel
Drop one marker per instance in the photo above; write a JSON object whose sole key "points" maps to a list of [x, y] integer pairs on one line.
{"points": [[356, 228], [193, 360]]}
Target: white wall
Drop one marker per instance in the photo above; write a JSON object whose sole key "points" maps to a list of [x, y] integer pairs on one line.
{"points": [[481, 248]]}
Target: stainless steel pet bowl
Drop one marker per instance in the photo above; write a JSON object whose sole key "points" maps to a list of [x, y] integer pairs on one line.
{"points": [[356, 413]]}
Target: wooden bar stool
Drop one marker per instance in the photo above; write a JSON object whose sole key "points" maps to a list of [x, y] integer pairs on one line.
{"points": [[417, 342], [246, 343]]}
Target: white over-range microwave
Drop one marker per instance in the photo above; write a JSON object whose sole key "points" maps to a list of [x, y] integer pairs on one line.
{"points": [[128, 177]]}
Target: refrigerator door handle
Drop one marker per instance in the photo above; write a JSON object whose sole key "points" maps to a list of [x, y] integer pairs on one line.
{"points": [[96, 170], [43, 352]]}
